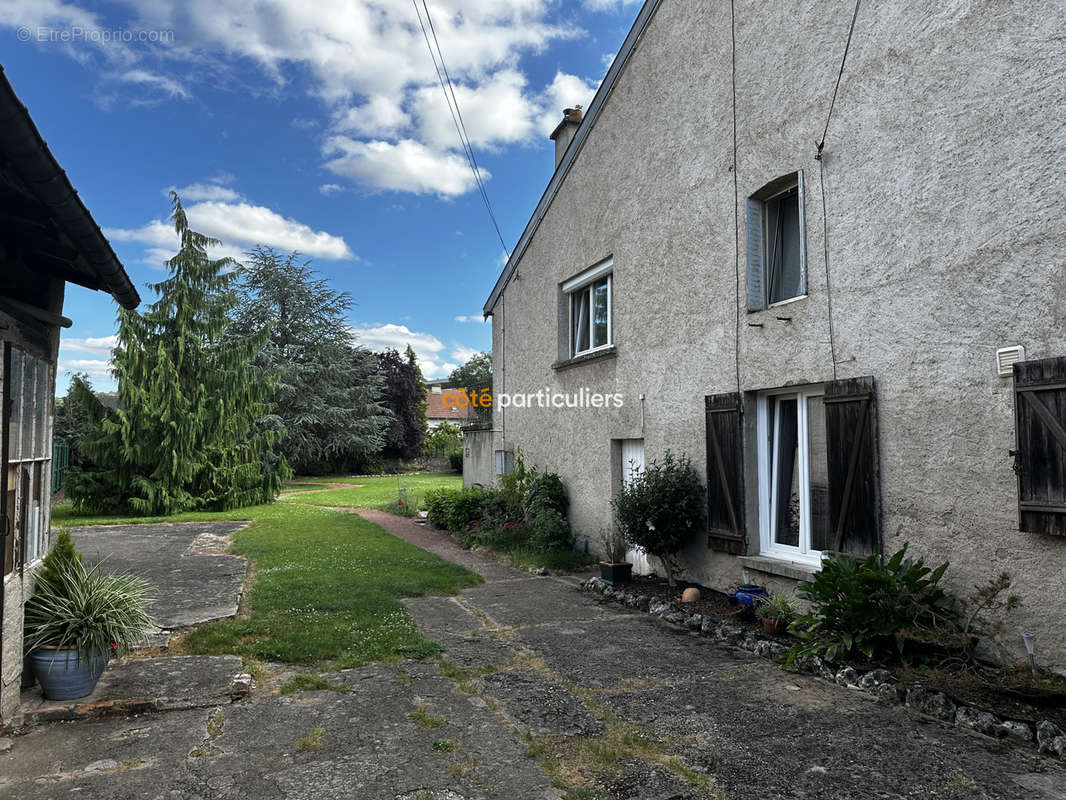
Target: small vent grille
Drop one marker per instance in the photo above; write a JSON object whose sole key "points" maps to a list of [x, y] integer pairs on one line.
{"points": [[1006, 358]]}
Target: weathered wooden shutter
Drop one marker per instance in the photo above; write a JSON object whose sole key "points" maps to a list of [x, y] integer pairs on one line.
{"points": [[7, 500], [725, 473], [1040, 455], [756, 259], [851, 443]]}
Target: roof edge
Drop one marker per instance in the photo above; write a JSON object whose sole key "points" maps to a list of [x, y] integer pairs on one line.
{"points": [[563, 168], [51, 186]]}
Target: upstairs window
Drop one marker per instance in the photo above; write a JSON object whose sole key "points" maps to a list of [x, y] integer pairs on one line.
{"points": [[777, 250], [589, 296]]}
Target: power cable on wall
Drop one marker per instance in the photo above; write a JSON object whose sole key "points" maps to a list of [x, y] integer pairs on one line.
{"points": [[736, 191], [821, 183], [453, 108]]}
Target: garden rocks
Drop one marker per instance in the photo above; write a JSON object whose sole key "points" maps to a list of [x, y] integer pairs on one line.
{"points": [[1051, 739], [981, 721]]}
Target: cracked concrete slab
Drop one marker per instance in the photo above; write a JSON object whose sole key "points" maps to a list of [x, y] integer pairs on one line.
{"points": [[536, 601], [540, 706], [192, 581]]}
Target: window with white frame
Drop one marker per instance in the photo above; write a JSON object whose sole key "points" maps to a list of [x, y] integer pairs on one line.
{"points": [[793, 475], [777, 248], [589, 299], [29, 470]]}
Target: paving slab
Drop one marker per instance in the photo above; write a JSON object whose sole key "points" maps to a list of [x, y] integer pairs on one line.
{"points": [[539, 706], [537, 601], [138, 685], [192, 580]]}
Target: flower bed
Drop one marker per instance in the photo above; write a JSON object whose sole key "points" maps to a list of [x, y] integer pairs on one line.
{"points": [[1045, 735]]}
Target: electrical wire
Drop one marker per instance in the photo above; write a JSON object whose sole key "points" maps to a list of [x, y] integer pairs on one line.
{"points": [[840, 74], [736, 193], [457, 117]]}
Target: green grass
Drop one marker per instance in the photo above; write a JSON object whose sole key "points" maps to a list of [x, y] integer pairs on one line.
{"points": [[309, 682], [325, 590], [301, 486], [381, 492]]}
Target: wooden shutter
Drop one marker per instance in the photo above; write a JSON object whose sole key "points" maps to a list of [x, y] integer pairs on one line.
{"points": [[851, 442], [1040, 455], [7, 495], [756, 259], [725, 473]]}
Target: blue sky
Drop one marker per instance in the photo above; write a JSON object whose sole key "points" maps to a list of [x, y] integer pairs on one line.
{"points": [[310, 126]]}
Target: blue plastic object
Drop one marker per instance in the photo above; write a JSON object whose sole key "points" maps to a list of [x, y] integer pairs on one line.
{"points": [[746, 595], [62, 676]]}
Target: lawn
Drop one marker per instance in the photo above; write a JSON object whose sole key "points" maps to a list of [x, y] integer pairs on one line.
{"points": [[326, 587], [380, 492]]}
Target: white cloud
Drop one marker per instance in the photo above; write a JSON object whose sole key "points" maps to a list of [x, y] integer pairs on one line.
{"points": [[565, 91], [92, 367], [608, 5], [330, 188], [98, 345], [462, 353], [428, 348], [366, 60], [406, 166], [196, 192], [239, 226], [469, 318]]}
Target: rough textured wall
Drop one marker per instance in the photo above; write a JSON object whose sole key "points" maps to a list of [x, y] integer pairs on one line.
{"points": [[479, 464], [943, 180]]}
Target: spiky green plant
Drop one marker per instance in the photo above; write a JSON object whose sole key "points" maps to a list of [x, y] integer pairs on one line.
{"points": [[78, 607]]}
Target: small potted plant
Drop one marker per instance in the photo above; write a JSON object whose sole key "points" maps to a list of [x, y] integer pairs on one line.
{"points": [[614, 568], [77, 619], [777, 612]]}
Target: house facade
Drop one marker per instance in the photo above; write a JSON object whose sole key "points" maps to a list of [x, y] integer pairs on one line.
{"points": [[838, 289], [47, 238]]}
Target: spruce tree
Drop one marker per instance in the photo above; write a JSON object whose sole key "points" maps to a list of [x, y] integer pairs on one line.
{"points": [[187, 433], [405, 397]]}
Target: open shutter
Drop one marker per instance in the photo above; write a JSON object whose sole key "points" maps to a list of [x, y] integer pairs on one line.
{"points": [[756, 266], [851, 440], [7, 498], [725, 473], [1040, 457], [801, 200]]}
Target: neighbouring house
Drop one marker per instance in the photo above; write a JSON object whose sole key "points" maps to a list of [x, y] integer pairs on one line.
{"points": [[47, 238], [859, 345], [443, 405]]}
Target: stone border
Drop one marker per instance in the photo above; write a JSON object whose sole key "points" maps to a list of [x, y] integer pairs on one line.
{"points": [[1046, 736]]}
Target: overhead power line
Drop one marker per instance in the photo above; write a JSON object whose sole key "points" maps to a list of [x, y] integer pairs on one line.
{"points": [[450, 99]]}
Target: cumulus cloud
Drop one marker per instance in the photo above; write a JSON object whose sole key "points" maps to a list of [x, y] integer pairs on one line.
{"points": [[565, 91], [435, 359], [91, 367], [406, 166], [97, 345], [196, 192], [469, 318], [239, 226], [330, 188], [365, 61]]}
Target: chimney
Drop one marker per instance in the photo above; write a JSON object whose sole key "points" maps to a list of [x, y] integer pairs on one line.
{"points": [[564, 132]]}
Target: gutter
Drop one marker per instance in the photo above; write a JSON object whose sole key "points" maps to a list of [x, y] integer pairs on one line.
{"points": [[556, 182], [36, 166]]}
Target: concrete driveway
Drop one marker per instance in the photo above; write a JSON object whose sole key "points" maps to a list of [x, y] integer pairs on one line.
{"points": [[543, 692]]}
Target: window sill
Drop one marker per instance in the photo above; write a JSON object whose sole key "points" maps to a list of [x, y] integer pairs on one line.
{"points": [[584, 358], [797, 570]]}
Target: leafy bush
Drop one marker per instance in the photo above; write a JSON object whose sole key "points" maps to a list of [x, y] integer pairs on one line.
{"points": [[549, 530], [547, 492], [778, 607], [62, 554], [455, 459], [885, 610], [662, 508], [454, 509]]}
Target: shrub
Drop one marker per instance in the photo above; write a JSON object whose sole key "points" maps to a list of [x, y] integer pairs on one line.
{"points": [[549, 530], [547, 492], [885, 610], [62, 554], [778, 607], [454, 509], [455, 459], [662, 508]]}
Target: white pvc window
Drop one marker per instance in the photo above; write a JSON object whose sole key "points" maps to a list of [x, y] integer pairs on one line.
{"points": [[777, 243], [793, 475], [590, 301]]}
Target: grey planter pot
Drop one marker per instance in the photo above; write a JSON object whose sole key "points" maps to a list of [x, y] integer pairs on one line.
{"points": [[63, 676]]}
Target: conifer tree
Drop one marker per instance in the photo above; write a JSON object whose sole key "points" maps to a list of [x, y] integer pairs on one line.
{"points": [[405, 397], [186, 435]]}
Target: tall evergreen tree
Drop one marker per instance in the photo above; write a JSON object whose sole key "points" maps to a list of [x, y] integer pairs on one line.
{"points": [[423, 406], [328, 390], [405, 397], [186, 435]]}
